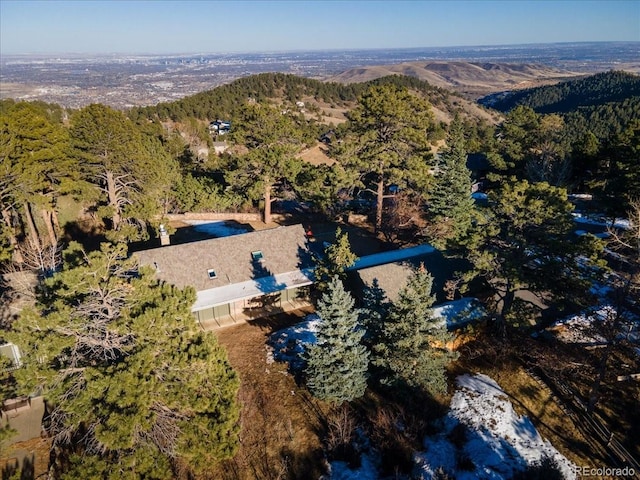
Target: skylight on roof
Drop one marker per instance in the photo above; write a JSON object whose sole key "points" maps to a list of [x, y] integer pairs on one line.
{"points": [[212, 273], [257, 255]]}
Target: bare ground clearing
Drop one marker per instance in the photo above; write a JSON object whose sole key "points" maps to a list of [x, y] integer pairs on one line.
{"points": [[280, 424]]}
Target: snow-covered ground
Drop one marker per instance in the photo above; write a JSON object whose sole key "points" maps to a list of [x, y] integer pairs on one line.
{"points": [[461, 312], [217, 229], [498, 442], [585, 327], [288, 345], [600, 221]]}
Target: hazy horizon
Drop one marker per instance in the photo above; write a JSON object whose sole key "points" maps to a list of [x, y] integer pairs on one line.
{"points": [[99, 27], [265, 52]]}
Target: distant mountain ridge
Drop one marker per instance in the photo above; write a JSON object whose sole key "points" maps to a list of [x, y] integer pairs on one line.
{"points": [[123, 81], [471, 78]]}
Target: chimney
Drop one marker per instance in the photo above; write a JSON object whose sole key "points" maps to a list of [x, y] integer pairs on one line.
{"points": [[164, 236]]}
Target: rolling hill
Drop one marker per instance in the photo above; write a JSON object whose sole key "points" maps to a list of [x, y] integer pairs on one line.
{"points": [[472, 79]]}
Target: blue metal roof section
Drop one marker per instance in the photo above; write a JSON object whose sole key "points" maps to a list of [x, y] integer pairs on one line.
{"points": [[391, 256]]}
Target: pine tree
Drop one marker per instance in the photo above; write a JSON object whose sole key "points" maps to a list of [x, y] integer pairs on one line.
{"points": [[337, 364], [129, 170], [375, 311], [337, 258], [386, 142], [272, 139], [413, 349], [523, 242], [451, 200], [36, 171], [129, 379]]}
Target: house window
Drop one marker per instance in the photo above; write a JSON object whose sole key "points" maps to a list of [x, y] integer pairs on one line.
{"points": [[257, 255], [212, 273]]}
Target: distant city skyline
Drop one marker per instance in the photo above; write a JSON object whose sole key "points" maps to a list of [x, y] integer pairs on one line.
{"points": [[206, 26]]}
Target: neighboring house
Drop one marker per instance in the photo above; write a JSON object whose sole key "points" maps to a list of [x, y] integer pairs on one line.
{"points": [[12, 352], [391, 270], [478, 165], [239, 277], [22, 414], [220, 127]]}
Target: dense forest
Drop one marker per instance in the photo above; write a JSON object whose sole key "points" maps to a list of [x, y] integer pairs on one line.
{"points": [[117, 352], [602, 104], [224, 101]]}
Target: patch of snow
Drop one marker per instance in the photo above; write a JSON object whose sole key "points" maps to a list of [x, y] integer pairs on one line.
{"points": [[459, 313], [498, 441], [600, 221], [622, 223], [289, 344], [583, 327], [580, 196], [217, 229]]}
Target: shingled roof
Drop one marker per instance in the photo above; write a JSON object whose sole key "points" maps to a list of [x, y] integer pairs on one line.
{"points": [[282, 250], [392, 269]]}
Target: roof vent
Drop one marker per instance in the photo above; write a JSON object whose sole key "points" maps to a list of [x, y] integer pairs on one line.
{"points": [[257, 255], [212, 273]]}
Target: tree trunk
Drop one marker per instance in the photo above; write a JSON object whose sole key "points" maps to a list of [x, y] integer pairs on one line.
{"points": [[594, 393], [112, 193], [13, 240], [507, 302], [379, 204], [54, 219], [267, 203], [34, 239], [47, 216]]}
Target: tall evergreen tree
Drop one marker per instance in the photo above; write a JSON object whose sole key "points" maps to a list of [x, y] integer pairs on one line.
{"points": [[412, 350], [35, 169], [134, 389], [337, 364], [273, 139], [375, 311], [451, 202], [386, 142], [337, 258], [130, 171], [524, 241]]}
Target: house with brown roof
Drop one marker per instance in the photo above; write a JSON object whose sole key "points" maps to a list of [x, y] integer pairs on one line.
{"points": [[239, 277], [391, 270]]}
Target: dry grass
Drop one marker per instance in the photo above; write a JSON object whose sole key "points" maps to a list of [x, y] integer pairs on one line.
{"points": [[32, 456], [317, 155], [617, 407], [280, 422]]}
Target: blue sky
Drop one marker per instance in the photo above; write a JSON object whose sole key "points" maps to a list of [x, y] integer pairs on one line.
{"points": [[205, 26]]}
